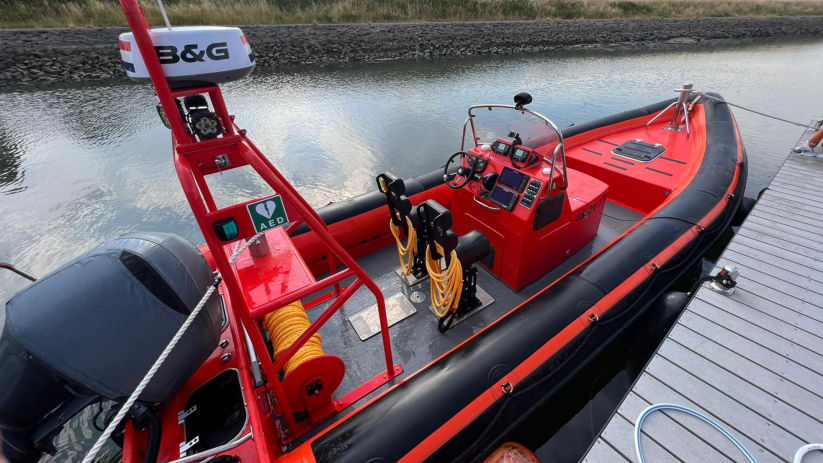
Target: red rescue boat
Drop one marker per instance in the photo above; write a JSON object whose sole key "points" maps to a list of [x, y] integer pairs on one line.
{"points": [[529, 253]]}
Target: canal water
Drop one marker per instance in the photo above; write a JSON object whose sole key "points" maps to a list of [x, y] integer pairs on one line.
{"points": [[81, 164]]}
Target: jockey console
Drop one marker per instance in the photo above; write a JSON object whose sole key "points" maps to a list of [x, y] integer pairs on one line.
{"points": [[518, 210]]}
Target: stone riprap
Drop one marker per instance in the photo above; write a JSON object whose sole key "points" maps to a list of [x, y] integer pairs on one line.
{"points": [[48, 56]]}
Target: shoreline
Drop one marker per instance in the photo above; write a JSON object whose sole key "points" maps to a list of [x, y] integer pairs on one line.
{"points": [[44, 57]]}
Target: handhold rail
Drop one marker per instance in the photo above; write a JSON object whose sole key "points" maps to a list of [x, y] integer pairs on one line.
{"points": [[188, 154], [560, 148], [16, 270]]}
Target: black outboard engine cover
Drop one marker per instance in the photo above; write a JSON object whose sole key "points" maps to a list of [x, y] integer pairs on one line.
{"points": [[98, 324]]}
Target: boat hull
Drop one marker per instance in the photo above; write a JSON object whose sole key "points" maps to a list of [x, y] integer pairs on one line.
{"points": [[464, 402]]}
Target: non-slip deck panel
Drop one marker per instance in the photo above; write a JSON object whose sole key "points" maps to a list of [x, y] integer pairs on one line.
{"points": [[393, 425]]}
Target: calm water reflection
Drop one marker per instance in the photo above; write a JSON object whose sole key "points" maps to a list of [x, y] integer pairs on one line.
{"points": [[80, 165]]}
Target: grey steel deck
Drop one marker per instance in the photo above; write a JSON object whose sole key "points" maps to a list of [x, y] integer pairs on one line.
{"points": [[753, 361]]}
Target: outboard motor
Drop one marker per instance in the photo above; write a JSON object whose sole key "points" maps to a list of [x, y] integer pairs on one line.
{"points": [[90, 330]]}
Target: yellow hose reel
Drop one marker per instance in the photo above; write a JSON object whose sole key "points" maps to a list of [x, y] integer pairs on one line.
{"points": [[310, 376], [287, 324]]}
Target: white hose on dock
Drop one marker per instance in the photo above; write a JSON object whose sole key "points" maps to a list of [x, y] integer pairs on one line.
{"points": [[798, 457], [638, 425]]}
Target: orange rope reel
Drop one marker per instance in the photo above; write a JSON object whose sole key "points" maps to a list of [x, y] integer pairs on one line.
{"points": [[285, 325], [310, 376]]}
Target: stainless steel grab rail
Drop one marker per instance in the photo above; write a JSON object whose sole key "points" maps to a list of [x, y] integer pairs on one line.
{"points": [[16, 270], [485, 205], [560, 148]]}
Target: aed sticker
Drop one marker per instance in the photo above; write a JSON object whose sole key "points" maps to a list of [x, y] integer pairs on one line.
{"points": [[268, 213]]}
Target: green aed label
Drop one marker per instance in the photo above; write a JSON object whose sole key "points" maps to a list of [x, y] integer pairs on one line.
{"points": [[268, 213]]}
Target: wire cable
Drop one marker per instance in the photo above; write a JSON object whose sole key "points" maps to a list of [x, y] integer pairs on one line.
{"points": [[720, 100], [638, 427]]}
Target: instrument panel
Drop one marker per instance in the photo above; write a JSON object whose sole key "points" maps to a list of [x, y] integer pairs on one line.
{"points": [[500, 147], [508, 183], [521, 154], [512, 188], [530, 196]]}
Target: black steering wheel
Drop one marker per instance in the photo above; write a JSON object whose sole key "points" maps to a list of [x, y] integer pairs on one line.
{"points": [[461, 177]]}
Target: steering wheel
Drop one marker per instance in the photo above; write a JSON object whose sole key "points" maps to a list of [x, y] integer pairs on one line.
{"points": [[453, 179]]}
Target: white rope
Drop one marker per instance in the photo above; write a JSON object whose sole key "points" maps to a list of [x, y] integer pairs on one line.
{"points": [[153, 370]]}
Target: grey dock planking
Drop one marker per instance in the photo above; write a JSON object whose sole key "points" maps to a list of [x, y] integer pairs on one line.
{"points": [[753, 361]]}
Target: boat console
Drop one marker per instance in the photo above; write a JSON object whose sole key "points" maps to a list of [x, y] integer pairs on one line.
{"points": [[517, 210], [518, 192]]}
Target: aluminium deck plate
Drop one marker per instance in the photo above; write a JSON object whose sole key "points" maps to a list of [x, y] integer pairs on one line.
{"points": [[485, 301], [367, 322], [410, 280]]}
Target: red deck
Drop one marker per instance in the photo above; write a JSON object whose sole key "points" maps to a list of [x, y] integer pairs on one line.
{"points": [[640, 186]]}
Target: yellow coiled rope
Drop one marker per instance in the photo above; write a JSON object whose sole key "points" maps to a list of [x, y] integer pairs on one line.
{"points": [[409, 250], [446, 286], [287, 324]]}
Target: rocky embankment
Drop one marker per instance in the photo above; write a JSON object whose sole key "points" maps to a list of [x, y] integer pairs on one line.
{"points": [[47, 56]]}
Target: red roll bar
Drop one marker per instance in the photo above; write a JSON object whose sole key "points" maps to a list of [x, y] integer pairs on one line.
{"points": [[194, 159]]}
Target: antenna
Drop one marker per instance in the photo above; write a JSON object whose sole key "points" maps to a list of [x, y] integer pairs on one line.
{"points": [[163, 12]]}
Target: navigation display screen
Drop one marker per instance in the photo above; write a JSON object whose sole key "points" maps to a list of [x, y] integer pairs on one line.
{"points": [[513, 179], [503, 197]]}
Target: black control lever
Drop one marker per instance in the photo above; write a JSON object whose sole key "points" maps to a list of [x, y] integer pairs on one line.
{"points": [[489, 180]]}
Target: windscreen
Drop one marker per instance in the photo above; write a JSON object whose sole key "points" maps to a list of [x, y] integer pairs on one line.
{"points": [[489, 125]]}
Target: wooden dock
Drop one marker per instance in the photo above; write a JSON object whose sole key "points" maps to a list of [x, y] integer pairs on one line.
{"points": [[753, 361]]}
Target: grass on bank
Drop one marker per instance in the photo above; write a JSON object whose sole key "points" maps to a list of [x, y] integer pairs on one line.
{"points": [[93, 13]]}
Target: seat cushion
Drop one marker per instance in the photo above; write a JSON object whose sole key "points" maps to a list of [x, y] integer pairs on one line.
{"points": [[472, 247]]}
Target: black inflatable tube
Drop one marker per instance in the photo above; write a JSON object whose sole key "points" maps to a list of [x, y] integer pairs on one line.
{"points": [[346, 209], [393, 425]]}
